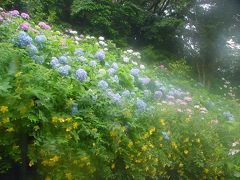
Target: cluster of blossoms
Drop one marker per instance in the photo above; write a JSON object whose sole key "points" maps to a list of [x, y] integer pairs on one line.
{"points": [[235, 148], [25, 16], [141, 105], [229, 116], [102, 41], [103, 84], [24, 39], [81, 74], [24, 26], [64, 70], [115, 97], [14, 13], [43, 25], [100, 55]]}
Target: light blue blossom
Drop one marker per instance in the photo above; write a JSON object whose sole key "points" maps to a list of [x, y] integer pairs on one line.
{"points": [[81, 59], [63, 60], [100, 55], [115, 66], [40, 40], [1, 19], [111, 71], [134, 72], [103, 84], [229, 116], [146, 92], [24, 39], [107, 64], [115, 79], [64, 70], [32, 50], [79, 51], [93, 63], [141, 105], [115, 97], [165, 136], [74, 109], [144, 80], [81, 74], [158, 94], [126, 93], [38, 59], [54, 62]]}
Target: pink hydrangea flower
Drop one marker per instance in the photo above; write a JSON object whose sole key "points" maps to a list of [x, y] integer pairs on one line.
{"points": [[188, 99], [43, 25], [14, 13], [24, 26], [25, 16], [162, 66]]}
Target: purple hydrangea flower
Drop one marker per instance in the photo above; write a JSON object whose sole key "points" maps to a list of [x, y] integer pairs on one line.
{"points": [[229, 116], [115, 66], [79, 51], [141, 105], [103, 84], [24, 26], [63, 60], [64, 70], [115, 97], [134, 72], [54, 62], [81, 74], [93, 63], [32, 50], [1, 19], [100, 55], [43, 25], [14, 13], [25, 16], [24, 39]]}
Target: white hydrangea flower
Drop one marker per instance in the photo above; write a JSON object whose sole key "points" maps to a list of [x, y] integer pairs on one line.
{"points": [[130, 51], [101, 38], [125, 59], [142, 66]]}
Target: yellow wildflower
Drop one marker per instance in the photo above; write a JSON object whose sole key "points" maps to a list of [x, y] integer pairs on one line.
{"points": [[185, 151], [162, 122], [18, 74], [54, 119], [75, 125], [3, 109], [6, 120], [31, 163], [113, 134], [206, 170], [174, 145], [152, 130], [130, 144], [9, 130], [68, 176], [144, 148]]}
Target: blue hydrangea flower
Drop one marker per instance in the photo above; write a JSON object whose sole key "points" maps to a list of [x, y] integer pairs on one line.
{"points": [[158, 94], [40, 39], [126, 93], [38, 59], [115, 66], [24, 39], [103, 84], [63, 60], [81, 74], [54, 62], [134, 72], [32, 50], [81, 59], [141, 105], [165, 136], [115, 97], [111, 71], [74, 109], [158, 84], [93, 63], [100, 55], [229, 116], [64, 70], [115, 79], [144, 80], [79, 51]]}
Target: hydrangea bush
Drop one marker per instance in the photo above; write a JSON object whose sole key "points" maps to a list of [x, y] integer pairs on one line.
{"points": [[86, 109]]}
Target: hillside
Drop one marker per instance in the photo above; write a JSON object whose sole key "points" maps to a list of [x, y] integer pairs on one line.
{"points": [[77, 107]]}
